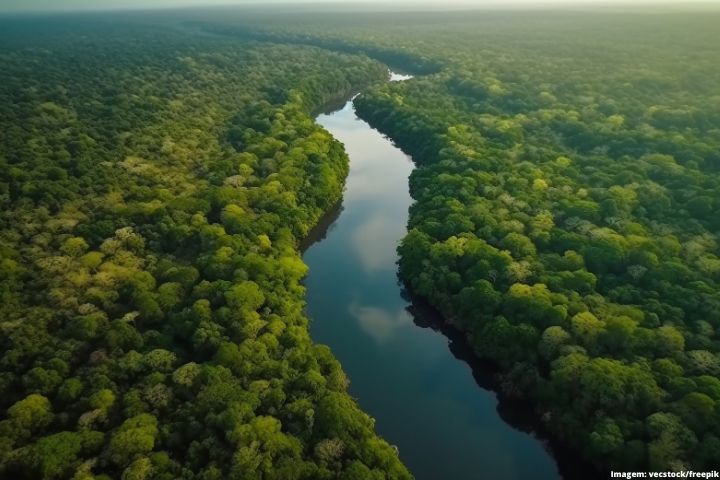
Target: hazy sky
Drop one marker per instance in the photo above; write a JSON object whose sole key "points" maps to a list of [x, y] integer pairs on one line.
{"points": [[46, 5]]}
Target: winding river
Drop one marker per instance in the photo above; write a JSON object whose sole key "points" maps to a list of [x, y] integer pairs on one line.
{"points": [[409, 378]]}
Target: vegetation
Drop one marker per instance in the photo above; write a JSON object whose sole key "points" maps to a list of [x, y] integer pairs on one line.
{"points": [[568, 220], [154, 187], [568, 210], [155, 183]]}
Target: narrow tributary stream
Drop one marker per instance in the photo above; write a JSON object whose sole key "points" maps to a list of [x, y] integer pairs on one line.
{"points": [[424, 399]]}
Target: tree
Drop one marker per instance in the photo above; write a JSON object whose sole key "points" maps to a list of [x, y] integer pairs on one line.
{"points": [[103, 399], [159, 360], [697, 411], [669, 340], [671, 441], [31, 413], [140, 469], [55, 455], [519, 245], [74, 246], [186, 374], [246, 296], [551, 342], [606, 439], [136, 436]]}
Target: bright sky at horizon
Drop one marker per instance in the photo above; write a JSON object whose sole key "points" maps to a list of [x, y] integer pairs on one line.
{"points": [[66, 5]]}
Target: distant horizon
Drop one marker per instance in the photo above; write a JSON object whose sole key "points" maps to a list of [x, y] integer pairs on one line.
{"points": [[78, 6]]}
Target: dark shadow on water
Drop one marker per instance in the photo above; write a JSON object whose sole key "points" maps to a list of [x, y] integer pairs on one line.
{"points": [[321, 230], [333, 105], [519, 414]]}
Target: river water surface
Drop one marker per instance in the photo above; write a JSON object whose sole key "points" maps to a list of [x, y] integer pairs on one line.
{"points": [[424, 399]]}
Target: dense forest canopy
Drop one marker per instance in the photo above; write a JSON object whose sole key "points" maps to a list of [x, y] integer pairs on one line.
{"points": [[568, 210], [154, 187], [157, 175]]}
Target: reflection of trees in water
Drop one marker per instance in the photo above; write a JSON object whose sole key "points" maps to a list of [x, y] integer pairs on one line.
{"points": [[518, 414], [331, 106], [321, 230]]}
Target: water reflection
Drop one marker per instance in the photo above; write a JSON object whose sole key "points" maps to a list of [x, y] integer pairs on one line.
{"points": [[374, 242], [323, 227], [516, 413], [379, 323], [399, 77]]}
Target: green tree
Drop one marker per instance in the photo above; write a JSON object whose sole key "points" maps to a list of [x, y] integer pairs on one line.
{"points": [[136, 436]]}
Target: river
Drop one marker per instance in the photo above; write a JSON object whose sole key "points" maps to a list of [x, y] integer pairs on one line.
{"points": [[424, 398]]}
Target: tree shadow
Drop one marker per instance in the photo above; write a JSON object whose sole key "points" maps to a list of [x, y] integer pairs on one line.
{"points": [[519, 414]]}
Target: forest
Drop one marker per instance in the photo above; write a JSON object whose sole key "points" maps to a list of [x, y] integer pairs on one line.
{"points": [[158, 175], [567, 211], [154, 189]]}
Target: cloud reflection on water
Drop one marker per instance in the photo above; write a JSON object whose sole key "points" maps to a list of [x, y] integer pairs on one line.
{"points": [[380, 324], [374, 242]]}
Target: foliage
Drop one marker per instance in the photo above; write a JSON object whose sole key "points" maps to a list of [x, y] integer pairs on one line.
{"points": [[567, 218], [154, 186], [567, 213]]}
